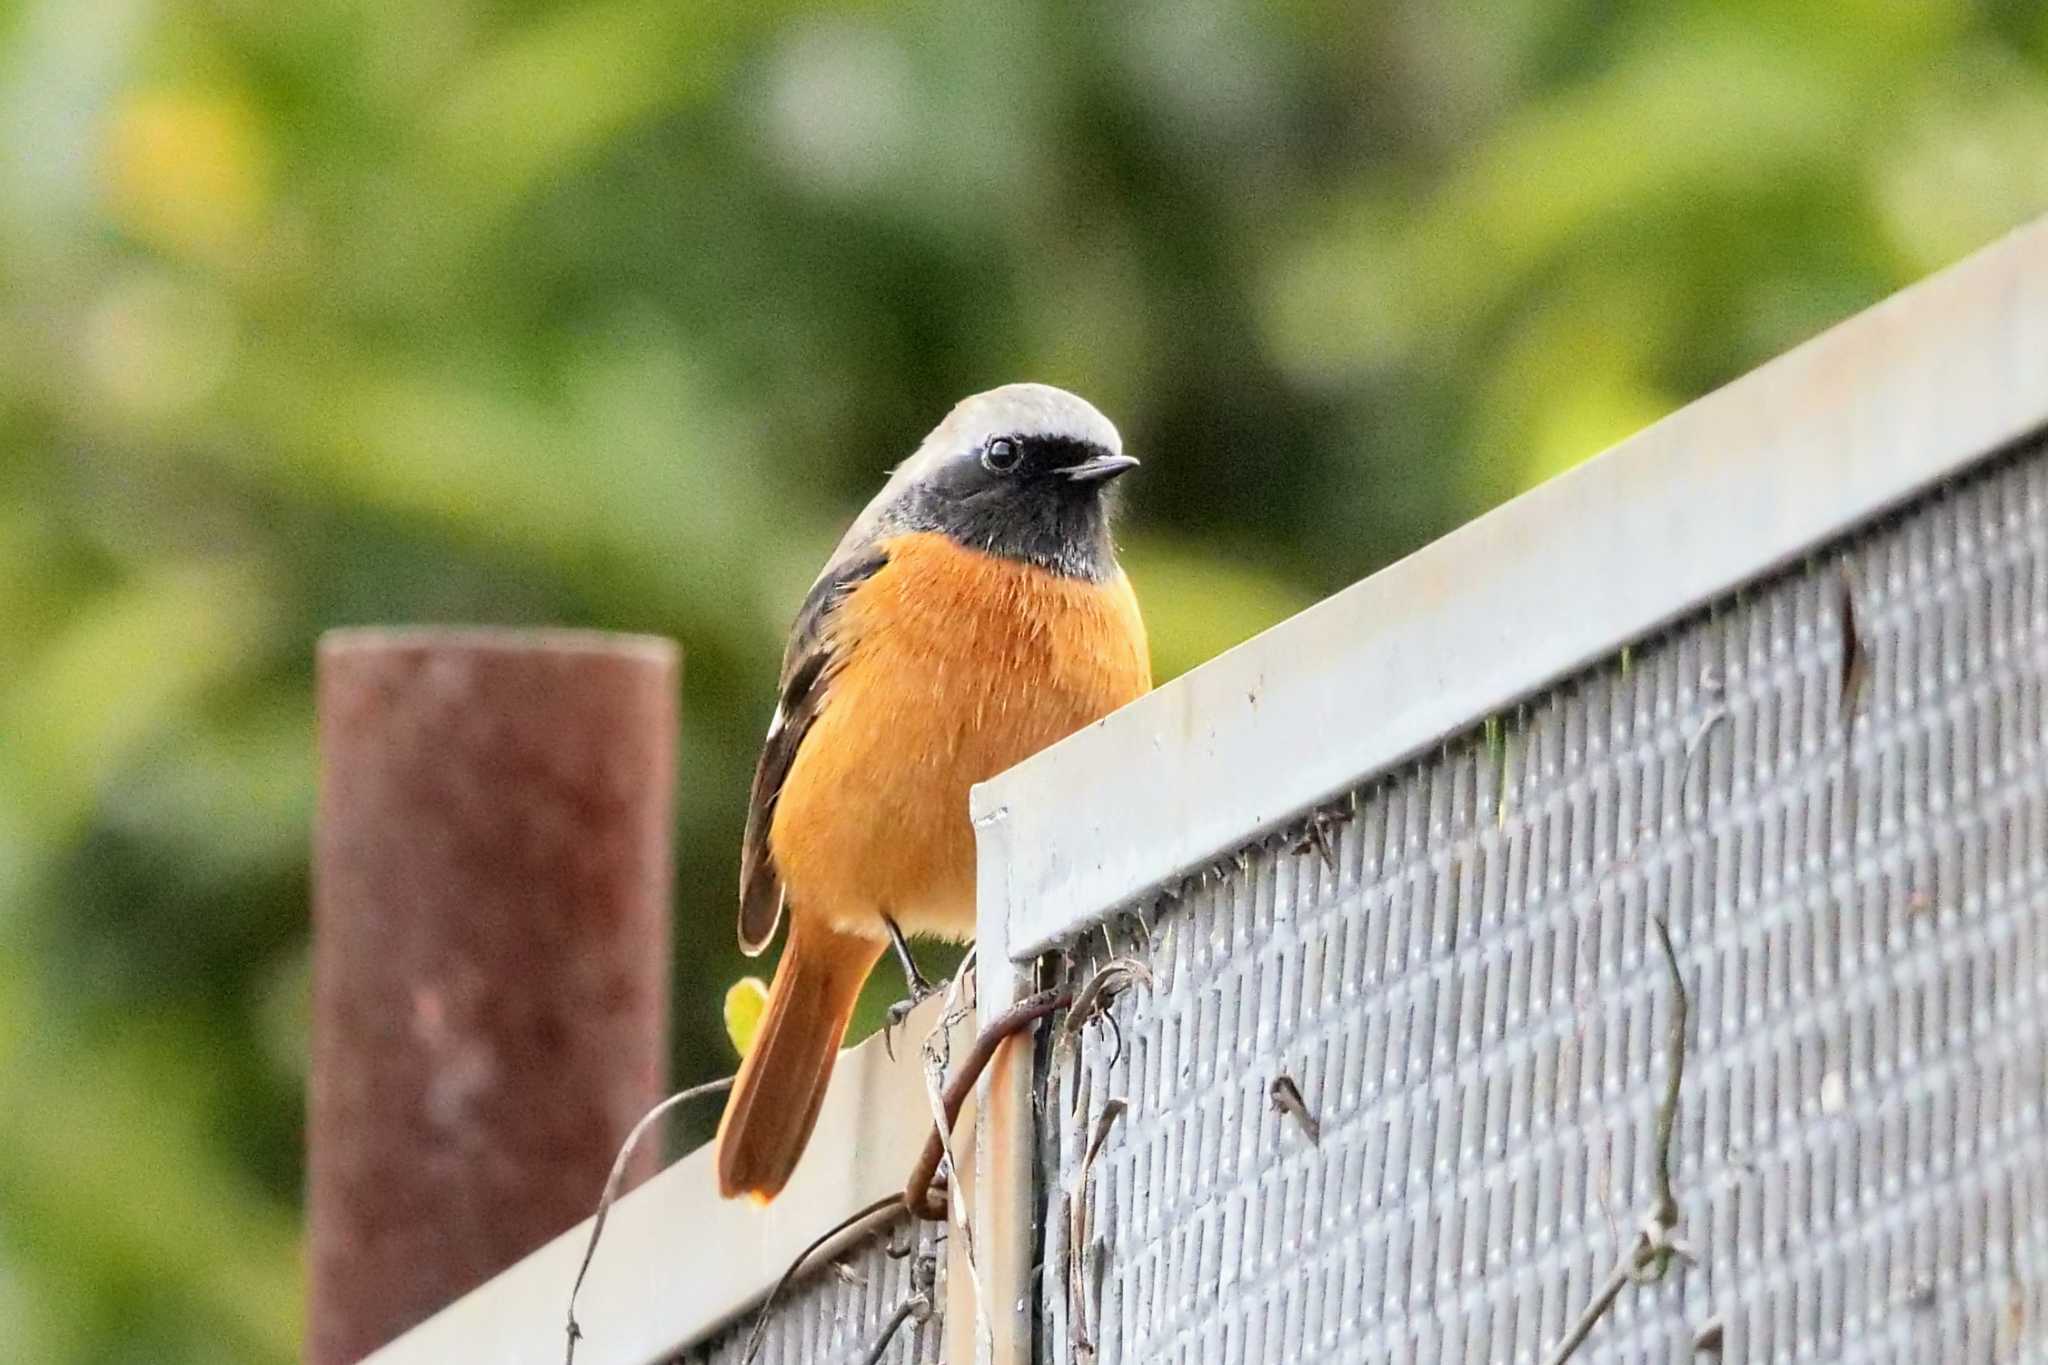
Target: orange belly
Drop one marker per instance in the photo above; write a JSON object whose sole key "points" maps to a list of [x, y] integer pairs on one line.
{"points": [[956, 666]]}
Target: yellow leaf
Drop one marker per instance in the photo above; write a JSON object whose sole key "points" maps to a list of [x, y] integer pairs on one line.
{"points": [[746, 1000], [187, 171]]}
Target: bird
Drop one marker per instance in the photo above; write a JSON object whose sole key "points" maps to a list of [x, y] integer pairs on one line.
{"points": [[973, 614]]}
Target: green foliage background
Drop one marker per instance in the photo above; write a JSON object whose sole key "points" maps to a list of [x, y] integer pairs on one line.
{"points": [[611, 313]]}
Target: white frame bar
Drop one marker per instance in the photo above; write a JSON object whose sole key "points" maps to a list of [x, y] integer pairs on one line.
{"points": [[677, 1262]]}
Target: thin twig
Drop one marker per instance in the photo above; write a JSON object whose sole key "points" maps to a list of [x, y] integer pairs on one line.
{"points": [[1116, 1038], [1080, 1233], [1710, 1335], [1092, 1001], [611, 1193], [1666, 1210], [1717, 714], [1286, 1097], [937, 1051], [1316, 839], [917, 1191], [1710, 685], [1112, 1110], [886, 1204], [1646, 1259], [1855, 673], [914, 1305], [1855, 658], [1610, 1290], [1111, 979], [919, 1306]]}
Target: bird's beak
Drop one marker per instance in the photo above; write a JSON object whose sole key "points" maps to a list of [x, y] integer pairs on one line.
{"points": [[1101, 468]]}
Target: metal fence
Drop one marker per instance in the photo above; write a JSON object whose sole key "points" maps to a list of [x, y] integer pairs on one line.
{"points": [[1833, 787], [888, 1289]]}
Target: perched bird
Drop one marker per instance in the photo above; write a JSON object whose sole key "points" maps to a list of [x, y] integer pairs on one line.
{"points": [[973, 614]]}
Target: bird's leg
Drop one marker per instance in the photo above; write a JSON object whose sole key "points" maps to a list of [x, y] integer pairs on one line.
{"points": [[920, 989]]}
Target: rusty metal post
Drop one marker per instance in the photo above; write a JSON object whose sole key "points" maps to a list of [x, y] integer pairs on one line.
{"points": [[491, 879]]}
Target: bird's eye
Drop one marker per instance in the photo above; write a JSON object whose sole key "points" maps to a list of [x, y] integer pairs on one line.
{"points": [[1001, 455]]}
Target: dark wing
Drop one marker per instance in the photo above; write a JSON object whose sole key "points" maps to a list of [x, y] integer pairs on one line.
{"points": [[807, 669]]}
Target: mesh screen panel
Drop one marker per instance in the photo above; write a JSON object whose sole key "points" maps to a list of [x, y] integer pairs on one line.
{"points": [[1457, 970], [836, 1312]]}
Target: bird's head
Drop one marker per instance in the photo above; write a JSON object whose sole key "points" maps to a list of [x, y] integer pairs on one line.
{"points": [[1023, 472]]}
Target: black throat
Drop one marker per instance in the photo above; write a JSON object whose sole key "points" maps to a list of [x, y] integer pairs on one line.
{"points": [[1061, 531], [1038, 517]]}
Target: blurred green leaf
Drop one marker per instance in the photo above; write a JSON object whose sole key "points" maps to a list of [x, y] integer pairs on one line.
{"points": [[118, 1180], [1196, 606], [131, 661]]}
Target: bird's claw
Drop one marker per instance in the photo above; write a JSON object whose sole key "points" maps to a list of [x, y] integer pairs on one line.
{"points": [[892, 1021], [920, 991]]}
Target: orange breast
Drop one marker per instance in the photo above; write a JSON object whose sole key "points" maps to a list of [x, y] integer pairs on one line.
{"points": [[957, 666]]}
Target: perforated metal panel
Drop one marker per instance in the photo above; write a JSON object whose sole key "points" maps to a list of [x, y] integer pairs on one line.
{"points": [[1457, 969], [834, 1314]]}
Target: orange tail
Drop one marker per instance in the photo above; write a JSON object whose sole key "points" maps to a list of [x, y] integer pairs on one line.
{"points": [[775, 1100]]}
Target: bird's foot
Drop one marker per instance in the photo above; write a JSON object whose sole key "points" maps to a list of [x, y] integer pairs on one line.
{"points": [[920, 988]]}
